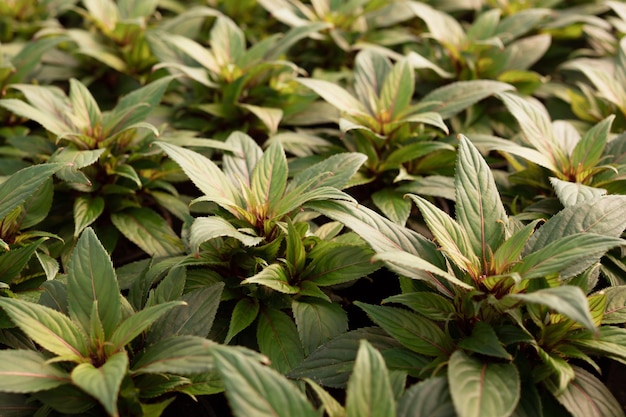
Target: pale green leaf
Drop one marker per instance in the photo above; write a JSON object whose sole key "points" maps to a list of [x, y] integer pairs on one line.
{"points": [[493, 143], [430, 397], [151, 232], [572, 193], [412, 330], [587, 396], [134, 325], [274, 276], [87, 209], [269, 177], [369, 389], [393, 205], [84, 106], [181, 355], [136, 9], [458, 96], [441, 26], [336, 264], [318, 321], [228, 42], [568, 300], [91, 278], [482, 389], [240, 162], [335, 95], [22, 184], [615, 312], [588, 151], [204, 229], [331, 406], [103, 383], [49, 328], [510, 252], [24, 371], [397, 89], [278, 338], [270, 116], [340, 168], [51, 123], [256, 390], [479, 210], [207, 176]]}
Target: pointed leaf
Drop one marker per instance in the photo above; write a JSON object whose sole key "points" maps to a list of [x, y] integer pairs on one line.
{"points": [[491, 143], [458, 96], [240, 163], [484, 341], [134, 325], [510, 252], [335, 95], [587, 396], [430, 397], [318, 321], [181, 355], [479, 209], [24, 371], [91, 278], [342, 166], [273, 276], [589, 149], [52, 330], [572, 193], [84, 105], [397, 90], [256, 390], [151, 232], [228, 42], [270, 116], [269, 178], [413, 331], [369, 389], [206, 176], [278, 339], [204, 229], [482, 389], [22, 184], [567, 300], [14, 261], [103, 383], [245, 312], [331, 406], [86, 211], [428, 304], [335, 264], [392, 204]]}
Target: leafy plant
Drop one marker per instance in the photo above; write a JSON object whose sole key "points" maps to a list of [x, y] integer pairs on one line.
{"points": [[110, 161], [91, 352], [514, 305]]}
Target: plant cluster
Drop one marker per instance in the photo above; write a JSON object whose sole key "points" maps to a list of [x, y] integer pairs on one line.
{"points": [[312, 208]]}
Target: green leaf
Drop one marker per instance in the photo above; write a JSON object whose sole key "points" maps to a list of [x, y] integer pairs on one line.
{"points": [[134, 325], [588, 151], [392, 204], [204, 229], [180, 355], [18, 405], [479, 210], [245, 312], [274, 276], [430, 397], [84, 106], [573, 254], [484, 340], [151, 232], [428, 304], [240, 162], [50, 329], [331, 406], [567, 300], [14, 261], [228, 42], [86, 211], [412, 330], [278, 338], [342, 166], [397, 89], [332, 363], [602, 216], [335, 95], [586, 396], [333, 263], [196, 318], [511, 250], [572, 193], [256, 390], [615, 312], [482, 389], [458, 96], [24, 371], [21, 185], [295, 256], [269, 178], [207, 176], [450, 235], [369, 389], [270, 116], [491, 143], [441, 26], [91, 278], [318, 321], [412, 266], [135, 107], [48, 121], [104, 382]]}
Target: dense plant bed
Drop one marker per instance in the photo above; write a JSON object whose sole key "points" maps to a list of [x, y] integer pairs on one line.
{"points": [[293, 208]]}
